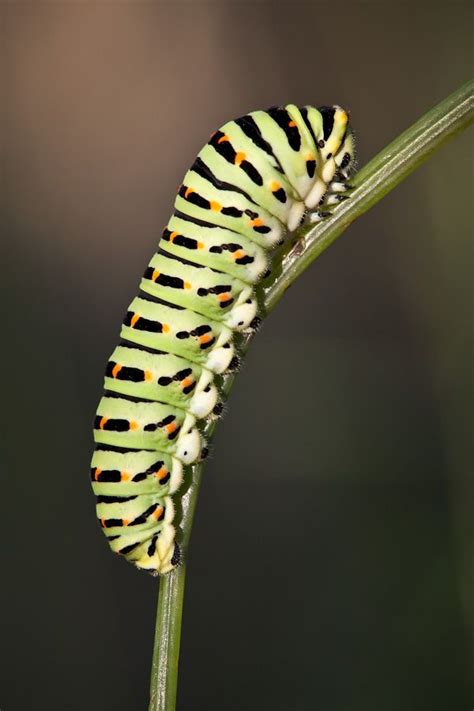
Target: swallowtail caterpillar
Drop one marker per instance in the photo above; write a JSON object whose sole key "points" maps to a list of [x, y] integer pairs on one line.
{"points": [[256, 180]]}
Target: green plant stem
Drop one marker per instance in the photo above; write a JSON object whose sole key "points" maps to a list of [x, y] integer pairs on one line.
{"points": [[164, 672], [371, 184]]}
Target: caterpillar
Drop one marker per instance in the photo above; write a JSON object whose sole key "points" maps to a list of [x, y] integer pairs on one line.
{"points": [[254, 182]]}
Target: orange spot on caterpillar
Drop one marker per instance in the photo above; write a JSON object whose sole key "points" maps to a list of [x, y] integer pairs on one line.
{"points": [[239, 254], [148, 376], [223, 297], [116, 370], [173, 236], [239, 157], [161, 473], [257, 222], [97, 473], [102, 522], [171, 427], [103, 422], [200, 245], [155, 275], [133, 425], [125, 521], [166, 328], [125, 476], [186, 382], [274, 186], [187, 285], [291, 124], [205, 338], [223, 138], [188, 192], [216, 206], [158, 512], [134, 320]]}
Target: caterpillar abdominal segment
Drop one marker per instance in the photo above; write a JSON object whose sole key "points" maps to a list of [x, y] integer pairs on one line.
{"points": [[255, 181]]}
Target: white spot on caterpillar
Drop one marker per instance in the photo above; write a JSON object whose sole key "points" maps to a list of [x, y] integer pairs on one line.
{"points": [[332, 200], [257, 268], [176, 475], [219, 359], [188, 447], [315, 194], [241, 315], [165, 547], [295, 214], [203, 402], [328, 170], [338, 187], [169, 509], [275, 235]]}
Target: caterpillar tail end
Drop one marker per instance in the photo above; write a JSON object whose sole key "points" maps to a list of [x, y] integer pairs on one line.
{"points": [[167, 555]]}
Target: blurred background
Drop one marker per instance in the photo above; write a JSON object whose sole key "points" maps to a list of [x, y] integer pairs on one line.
{"points": [[332, 550]]}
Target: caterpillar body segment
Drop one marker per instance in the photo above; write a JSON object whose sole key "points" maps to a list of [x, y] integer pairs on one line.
{"points": [[210, 293], [182, 332], [220, 248], [162, 377], [228, 209], [251, 185], [135, 472]]}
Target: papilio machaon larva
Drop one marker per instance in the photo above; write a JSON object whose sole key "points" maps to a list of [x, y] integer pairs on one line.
{"points": [[251, 185]]}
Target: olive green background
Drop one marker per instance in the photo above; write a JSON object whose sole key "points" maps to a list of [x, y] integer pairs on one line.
{"points": [[331, 557]]}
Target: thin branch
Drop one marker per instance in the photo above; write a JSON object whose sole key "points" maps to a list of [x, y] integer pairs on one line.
{"points": [[371, 184], [164, 671]]}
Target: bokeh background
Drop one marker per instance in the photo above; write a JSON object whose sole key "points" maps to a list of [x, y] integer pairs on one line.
{"points": [[332, 550]]}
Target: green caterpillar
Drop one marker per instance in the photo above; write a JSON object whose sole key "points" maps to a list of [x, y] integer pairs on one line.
{"points": [[251, 185]]}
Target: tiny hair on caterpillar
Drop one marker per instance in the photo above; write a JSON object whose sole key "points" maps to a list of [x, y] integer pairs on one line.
{"points": [[256, 180]]}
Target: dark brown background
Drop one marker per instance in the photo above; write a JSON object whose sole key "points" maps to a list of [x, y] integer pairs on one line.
{"points": [[331, 554]]}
